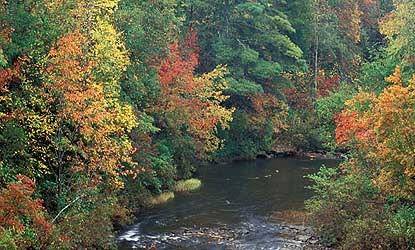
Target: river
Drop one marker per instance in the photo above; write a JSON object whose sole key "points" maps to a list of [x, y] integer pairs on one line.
{"points": [[232, 209]]}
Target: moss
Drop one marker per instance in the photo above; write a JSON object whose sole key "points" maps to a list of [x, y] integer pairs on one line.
{"points": [[162, 198], [187, 185]]}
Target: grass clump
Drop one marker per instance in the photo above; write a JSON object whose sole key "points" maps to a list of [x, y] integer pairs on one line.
{"points": [[187, 185], [162, 198]]}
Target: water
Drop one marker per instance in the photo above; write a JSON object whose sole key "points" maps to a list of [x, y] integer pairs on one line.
{"points": [[230, 211]]}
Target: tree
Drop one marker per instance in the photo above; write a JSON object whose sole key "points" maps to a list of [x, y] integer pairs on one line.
{"points": [[253, 38], [396, 26], [192, 105], [23, 222], [382, 128]]}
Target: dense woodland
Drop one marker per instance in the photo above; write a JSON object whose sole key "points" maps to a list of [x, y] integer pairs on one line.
{"points": [[106, 103]]}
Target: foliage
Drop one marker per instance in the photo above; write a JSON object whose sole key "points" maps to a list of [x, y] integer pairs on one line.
{"points": [[396, 26], [312, 121], [108, 103], [192, 106], [23, 220], [377, 179], [327, 108]]}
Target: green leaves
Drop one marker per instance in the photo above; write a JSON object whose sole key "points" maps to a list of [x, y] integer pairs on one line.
{"points": [[265, 70], [243, 87], [249, 56]]}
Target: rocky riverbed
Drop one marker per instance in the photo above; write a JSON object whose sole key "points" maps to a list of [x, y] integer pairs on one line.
{"points": [[250, 235]]}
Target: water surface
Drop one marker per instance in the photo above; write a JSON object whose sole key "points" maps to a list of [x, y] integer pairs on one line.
{"points": [[235, 199]]}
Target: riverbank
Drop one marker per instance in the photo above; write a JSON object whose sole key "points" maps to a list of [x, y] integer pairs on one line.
{"points": [[312, 155], [289, 153]]}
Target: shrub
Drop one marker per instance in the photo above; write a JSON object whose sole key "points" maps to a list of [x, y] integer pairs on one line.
{"points": [[401, 227], [90, 228], [23, 219]]}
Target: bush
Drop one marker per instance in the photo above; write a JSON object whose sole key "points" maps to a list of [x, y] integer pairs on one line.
{"points": [[338, 202], [349, 212], [90, 228], [24, 222], [401, 227]]}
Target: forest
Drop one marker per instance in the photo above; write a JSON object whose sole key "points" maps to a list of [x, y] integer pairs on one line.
{"points": [[107, 104]]}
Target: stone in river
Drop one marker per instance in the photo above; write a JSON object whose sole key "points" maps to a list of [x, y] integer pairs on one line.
{"points": [[303, 238]]}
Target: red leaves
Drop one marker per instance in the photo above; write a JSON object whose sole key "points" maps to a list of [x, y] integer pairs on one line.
{"points": [[268, 108], [176, 71], [192, 103], [327, 84], [18, 209], [350, 126], [5, 33], [176, 75], [9, 75]]}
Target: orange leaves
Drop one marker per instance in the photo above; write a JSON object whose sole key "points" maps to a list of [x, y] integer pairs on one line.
{"points": [[344, 131], [353, 14], [350, 18], [18, 209], [383, 129], [93, 115], [351, 127], [268, 108], [7, 77], [396, 77], [176, 71]]}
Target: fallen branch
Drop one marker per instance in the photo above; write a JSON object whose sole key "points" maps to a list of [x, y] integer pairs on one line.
{"points": [[63, 209]]}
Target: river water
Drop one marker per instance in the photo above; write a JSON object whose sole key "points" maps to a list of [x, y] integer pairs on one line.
{"points": [[231, 210]]}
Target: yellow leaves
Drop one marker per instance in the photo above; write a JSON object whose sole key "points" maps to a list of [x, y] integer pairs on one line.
{"points": [[389, 25], [412, 82], [209, 90], [388, 182], [87, 11], [108, 53], [396, 77], [109, 5], [126, 118], [389, 120], [397, 26], [361, 102], [84, 83]]}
